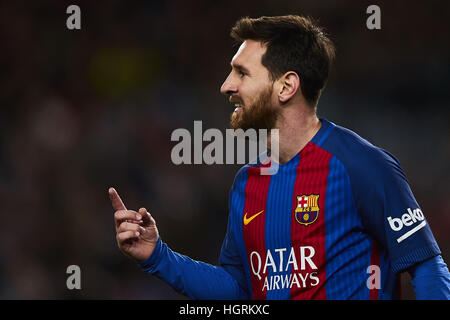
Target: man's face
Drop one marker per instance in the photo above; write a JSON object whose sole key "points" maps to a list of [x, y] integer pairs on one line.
{"points": [[249, 87]]}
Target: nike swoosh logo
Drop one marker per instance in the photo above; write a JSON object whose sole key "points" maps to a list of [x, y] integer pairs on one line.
{"points": [[247, 220]]}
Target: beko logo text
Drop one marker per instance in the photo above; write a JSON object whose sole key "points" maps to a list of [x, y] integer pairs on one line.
{"points": [[407, 219]]}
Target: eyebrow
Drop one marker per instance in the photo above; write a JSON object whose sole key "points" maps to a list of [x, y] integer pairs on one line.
{"points": [[239, 67]]}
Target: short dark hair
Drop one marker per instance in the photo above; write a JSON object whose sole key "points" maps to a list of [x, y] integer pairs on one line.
{"points": [[294, 43]]}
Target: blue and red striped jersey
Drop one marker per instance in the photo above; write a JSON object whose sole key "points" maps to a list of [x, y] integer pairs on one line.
{"points": [[337, 221]]}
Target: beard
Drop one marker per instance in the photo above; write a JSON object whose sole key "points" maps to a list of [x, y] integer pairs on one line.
{"points": [[258, 115]]}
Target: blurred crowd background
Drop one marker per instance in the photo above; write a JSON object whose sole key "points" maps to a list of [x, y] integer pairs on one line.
{"points": [[83, 110]]}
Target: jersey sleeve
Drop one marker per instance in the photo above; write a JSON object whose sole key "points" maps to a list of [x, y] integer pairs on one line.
{"points": [[232, 263], [431, 279], [390, 212], [196, 279]]}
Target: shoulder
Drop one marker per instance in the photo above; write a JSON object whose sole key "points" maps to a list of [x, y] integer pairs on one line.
{"points": [[361, 159], [239, 181]]}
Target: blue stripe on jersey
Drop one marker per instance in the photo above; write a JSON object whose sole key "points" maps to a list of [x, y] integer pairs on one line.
{"points": [[237, 203], [387, 278], [347, 249], [278, 223], [320, 137]]}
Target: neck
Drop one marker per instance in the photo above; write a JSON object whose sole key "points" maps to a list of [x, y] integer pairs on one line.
{"points": [[296, 128]]}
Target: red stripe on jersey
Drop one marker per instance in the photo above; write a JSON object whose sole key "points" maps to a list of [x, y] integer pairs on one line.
{"points": [[254, 228], [375, 261], [308, 239]]}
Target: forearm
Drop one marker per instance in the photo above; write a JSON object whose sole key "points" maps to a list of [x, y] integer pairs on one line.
{"points": [[196, 279], [431, 280]]}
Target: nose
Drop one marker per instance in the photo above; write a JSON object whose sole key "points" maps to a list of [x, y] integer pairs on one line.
{"points": [[228, 87]]}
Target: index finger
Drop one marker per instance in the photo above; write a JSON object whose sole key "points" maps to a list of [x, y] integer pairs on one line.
{"points": [[116, 202]]}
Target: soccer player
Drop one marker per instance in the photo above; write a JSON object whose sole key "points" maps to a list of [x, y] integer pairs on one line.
{"points": [[337, 221]]}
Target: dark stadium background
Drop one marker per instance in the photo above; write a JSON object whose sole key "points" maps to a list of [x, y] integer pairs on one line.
{"points": [[84, 110]]}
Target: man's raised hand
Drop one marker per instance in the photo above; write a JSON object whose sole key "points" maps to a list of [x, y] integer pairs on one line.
{"points": [[136, 232]]}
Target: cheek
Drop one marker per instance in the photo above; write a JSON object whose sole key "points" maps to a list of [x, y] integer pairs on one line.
{"points": [[250, 95], [264, 92]]}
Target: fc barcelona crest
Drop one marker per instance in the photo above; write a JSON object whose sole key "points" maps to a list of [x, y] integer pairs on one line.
{"points": [[307, 209]]}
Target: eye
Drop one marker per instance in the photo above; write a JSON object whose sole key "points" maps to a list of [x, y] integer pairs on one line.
{"points": [[242, 73]]}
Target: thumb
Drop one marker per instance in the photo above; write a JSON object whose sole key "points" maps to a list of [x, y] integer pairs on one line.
{"points": [[146, 217], [116, 202]]}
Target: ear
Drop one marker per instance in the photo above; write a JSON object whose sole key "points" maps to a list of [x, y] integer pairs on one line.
{"points": [[289, 85]]}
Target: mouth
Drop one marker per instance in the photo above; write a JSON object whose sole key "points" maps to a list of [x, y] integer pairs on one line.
{"points": [[237, 110], [238, 107], [237, 103]]}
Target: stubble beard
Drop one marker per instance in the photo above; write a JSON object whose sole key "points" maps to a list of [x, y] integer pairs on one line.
{"points": [[259, 115]]}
